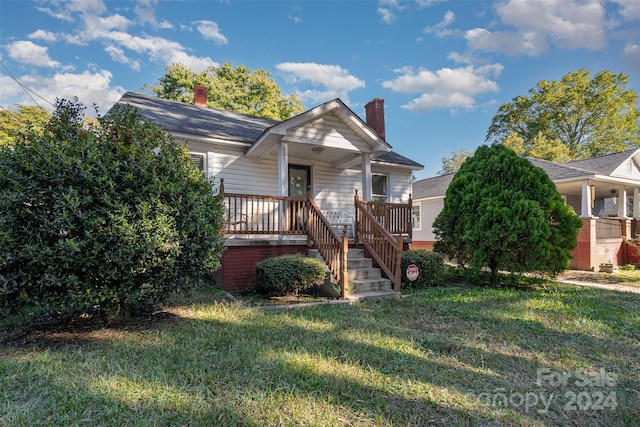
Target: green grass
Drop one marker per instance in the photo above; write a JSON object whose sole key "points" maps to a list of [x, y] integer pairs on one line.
{"points": [[443, 356]]}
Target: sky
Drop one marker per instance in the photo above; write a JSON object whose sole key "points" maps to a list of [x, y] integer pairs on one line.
{"points": [[443, 68]]}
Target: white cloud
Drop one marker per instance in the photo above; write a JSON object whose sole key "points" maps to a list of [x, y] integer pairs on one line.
{"points": [[386, 15], [631, 56], [30, 53], [211, 31], [440, 29], [629, 9], [336, 80], [118, 55], [160, 49], [445, 88], [61, 9], [43, 35], [531, 43], [89, 87]]}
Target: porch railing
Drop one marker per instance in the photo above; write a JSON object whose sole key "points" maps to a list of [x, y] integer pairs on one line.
{"points": [[396, 218], [331, 247], [608, 228], [256, 214], [383, 247]]}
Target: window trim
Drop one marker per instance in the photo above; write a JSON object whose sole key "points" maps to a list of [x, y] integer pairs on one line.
{"points": [[419, 206], [374, 195], [204, 159]]}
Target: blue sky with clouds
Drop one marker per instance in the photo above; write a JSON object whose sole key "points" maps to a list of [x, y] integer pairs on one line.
{"points": [[442, 67]]}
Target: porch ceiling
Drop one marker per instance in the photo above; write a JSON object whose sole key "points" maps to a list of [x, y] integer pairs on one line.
{"points": [[603, 187]]}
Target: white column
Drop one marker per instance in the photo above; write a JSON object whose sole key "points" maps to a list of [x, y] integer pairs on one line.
{"points": [[283, 169], [586, 201], [366, 177], [636, 203], [622, 202]]}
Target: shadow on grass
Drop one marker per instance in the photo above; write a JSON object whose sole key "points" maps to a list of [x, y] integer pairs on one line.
{"points": [[411, 361]]}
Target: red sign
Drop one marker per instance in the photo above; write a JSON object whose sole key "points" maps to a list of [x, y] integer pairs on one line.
{"points": [[412, 272]]}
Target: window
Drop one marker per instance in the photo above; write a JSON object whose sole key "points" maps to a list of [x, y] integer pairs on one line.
{"points": [[379, 188], [198, 159], [415, 217]]}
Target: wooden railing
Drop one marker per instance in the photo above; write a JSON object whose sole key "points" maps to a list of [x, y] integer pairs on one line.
{"points": [[608, 228], [383, 247], [331, 247], [255, 214], [396, 218]]}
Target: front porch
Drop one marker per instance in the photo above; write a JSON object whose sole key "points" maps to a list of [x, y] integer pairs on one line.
{"points": [[258, 227]]}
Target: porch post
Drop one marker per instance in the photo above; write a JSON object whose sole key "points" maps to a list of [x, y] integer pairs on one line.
{"points": [[283, 182], [283, 168], [366, 177], [586, 200], [622, 202], [636, 203]]}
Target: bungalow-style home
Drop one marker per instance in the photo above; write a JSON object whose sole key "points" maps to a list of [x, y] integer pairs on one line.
{"points": [[324, 180], [603, 191]]}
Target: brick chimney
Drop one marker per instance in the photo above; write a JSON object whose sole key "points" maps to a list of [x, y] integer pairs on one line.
{"points": [[200, 95], [374, 111]]}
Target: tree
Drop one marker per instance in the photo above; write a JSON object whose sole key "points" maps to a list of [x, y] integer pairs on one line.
{"points": [[453, 163], [503, 213], [20, 119], [108, 215], [237, 89], [539, 148], [590, 116]]}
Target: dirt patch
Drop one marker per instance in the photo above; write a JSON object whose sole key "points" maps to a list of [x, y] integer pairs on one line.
{"points": [[58, 329]]}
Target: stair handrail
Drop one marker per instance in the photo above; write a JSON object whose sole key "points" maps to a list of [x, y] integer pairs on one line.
{"points": [[331, 247], [385, 249]]}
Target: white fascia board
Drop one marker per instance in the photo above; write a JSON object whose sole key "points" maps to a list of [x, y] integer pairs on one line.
{"points": [[427, 199], [395, 165]]}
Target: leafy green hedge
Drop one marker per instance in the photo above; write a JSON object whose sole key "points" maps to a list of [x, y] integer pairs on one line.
{"points": [[288, 274], [430, 266], [106, 214]]}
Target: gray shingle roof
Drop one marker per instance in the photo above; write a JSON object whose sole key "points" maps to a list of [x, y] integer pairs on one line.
{"points": [[431, 187], [397, 159], [176, 116], [606, 164]]}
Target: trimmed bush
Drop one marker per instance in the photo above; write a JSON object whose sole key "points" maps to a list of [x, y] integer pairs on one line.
{"points": [[430, 266], [288, 274], [108, 214]]}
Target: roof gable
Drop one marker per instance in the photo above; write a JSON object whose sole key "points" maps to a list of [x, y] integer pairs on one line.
{"points": [[330, 125]]}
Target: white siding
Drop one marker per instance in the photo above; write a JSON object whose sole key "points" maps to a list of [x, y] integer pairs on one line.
{"points": [[628, 169], [429, 210], [329, 131], [334, 189]]}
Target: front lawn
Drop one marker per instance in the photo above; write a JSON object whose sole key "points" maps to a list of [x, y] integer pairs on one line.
{"points": [[556, 355]]}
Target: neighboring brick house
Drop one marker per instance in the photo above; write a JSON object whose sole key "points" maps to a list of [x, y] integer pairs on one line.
{"points": [[603, 191]]}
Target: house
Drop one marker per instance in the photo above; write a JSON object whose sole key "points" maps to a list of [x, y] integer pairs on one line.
{"points": [[603, 191], [324, 179]]}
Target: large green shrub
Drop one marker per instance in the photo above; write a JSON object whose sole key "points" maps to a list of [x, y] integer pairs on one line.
{"points": [[288, 274], [106, 214], [503, 213], [430, 266]]}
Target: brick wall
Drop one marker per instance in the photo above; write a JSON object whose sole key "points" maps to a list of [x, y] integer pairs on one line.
{"points": [[239, 264]]}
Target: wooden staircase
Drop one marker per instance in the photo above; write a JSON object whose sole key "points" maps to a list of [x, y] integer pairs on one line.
{"points": [[365, 281]]}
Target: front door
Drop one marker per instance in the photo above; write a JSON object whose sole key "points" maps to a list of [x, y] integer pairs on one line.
{"points": [[299, 180]]}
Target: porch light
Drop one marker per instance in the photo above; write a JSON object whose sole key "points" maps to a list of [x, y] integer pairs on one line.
{"points": [[317, 150]]}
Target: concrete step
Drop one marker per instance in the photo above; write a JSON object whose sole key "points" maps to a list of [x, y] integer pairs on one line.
{"points": [[367, 285], [363, 273], [355, 263], [355, 253]]}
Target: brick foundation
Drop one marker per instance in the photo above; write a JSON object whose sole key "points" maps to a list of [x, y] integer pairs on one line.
{"points": [[238, 268]]}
